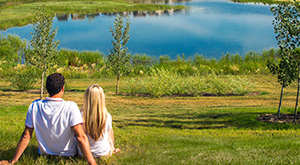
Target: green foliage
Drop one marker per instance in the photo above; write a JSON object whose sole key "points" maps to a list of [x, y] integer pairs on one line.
{"points": [[118, 59], [286, 25], [24, 79], [287, 30], [162, 82], [12, 48], [285, 73], [141, 63], [43, 41], [43, 44], [90, 59]]}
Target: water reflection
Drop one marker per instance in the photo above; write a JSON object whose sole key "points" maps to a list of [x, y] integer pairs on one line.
{"points": [[62, 17], [90, 17]]}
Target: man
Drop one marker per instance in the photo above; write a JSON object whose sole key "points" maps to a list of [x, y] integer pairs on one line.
{"points": [[55, 122]]}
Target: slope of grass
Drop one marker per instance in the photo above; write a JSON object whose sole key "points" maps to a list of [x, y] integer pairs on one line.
{"points": [[174, 130]]}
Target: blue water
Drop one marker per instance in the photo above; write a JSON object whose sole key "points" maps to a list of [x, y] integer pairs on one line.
{"points": [[211, 28]]}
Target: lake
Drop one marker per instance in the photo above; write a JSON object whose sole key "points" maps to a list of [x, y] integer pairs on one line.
{"points": [[208, 27]]}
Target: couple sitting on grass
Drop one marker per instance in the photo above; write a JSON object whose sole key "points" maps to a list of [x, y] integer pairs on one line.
{"points": [[58, 122]]}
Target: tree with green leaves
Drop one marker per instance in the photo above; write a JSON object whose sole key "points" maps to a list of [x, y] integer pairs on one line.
{"points": [[118, 59], [43, 44], [287, 29], [285, 75]]}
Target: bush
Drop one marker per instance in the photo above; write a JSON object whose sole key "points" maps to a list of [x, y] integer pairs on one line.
{"points": [[24, 79]]}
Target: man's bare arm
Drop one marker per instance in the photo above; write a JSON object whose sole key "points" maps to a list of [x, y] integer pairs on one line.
{"points": [[22, 145], [83, 143]]}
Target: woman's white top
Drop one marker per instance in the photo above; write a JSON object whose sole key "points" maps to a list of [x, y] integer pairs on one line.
{"points": [[101, 147]]}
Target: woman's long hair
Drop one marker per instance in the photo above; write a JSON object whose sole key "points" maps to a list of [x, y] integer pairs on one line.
{"points": [[94, 111]]}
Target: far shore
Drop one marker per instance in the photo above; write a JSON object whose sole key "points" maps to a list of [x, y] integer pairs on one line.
{"points": [[18, 14]]}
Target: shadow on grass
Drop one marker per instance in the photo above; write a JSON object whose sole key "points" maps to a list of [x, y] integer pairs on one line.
{"points": [[31, 156], [75, 90], [234, 118], [8, 154]]}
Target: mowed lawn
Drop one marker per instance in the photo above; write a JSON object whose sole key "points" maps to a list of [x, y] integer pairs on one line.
{"points": [[172, 130]]}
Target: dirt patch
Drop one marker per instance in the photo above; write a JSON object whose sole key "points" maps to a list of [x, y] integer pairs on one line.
{"points": [[284, 118]]}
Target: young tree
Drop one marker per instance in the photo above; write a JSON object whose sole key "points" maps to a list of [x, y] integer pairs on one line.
{"points": [[285, 75], [287, 28], [118, 59], [43, 44]]}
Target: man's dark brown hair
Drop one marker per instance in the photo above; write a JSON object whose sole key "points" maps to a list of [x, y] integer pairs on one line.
{"points": [[55, 83]]}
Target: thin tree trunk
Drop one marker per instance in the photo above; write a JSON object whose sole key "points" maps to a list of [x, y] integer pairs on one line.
{"points": [[117, 87], [279, 107], [297, 99], [42, 86]]}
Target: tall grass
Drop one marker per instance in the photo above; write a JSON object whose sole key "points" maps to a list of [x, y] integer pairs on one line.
{"points": [[163, 82], [235, 64]]}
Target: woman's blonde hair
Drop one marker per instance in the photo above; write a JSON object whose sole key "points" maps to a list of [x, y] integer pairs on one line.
{"points": [[94, 111]]}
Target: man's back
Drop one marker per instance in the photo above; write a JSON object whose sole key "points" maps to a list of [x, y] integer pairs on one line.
{"points": [[53, 119], [56, 122]]}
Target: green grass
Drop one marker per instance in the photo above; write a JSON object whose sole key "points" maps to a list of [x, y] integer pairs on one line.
{"points": [[172, 130]]}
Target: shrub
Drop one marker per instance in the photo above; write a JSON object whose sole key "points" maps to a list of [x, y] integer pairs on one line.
{"points": [[24, 79]]}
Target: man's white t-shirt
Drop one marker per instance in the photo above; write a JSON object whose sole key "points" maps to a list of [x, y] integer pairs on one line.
{"points": [[52, 120], [101, 147]]}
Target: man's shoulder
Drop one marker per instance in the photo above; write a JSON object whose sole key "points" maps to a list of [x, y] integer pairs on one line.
{"points": [[71, 106], [37, 101], [71, 103]]}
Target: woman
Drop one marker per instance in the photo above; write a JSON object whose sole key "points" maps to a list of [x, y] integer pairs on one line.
{"points": [[97, 122]]}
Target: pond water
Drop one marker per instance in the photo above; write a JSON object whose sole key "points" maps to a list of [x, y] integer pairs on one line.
{"points": [[208, 27]]}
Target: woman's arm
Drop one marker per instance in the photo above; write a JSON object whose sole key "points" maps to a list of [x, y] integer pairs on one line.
{"points": [[111, 139]]}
